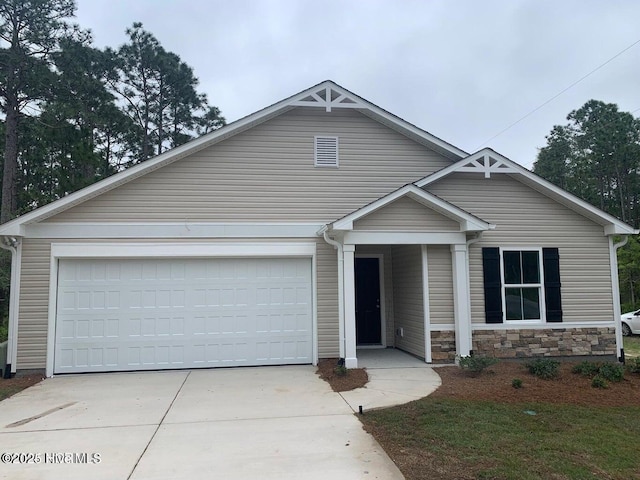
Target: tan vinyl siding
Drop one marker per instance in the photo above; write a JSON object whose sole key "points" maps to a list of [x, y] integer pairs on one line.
{"points": [[267, 174], [34, 304], [408, 299], [526, 218], [34, 296], [440, 284], [327, 287], [406, 214], [384, 250]]}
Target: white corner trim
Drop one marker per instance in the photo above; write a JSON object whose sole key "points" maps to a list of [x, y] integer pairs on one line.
{"points": [[170, 230]]}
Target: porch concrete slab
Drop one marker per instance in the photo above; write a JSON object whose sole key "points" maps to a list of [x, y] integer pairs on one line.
{"points": [[92, 400], [388, 358], [119, 449], [310, 448], [253, 393]]}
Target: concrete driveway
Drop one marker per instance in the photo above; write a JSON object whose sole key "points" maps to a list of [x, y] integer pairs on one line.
{"points": [[240, 423]]}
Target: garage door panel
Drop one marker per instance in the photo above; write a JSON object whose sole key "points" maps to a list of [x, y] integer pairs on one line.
{"points": [[182, 313]]}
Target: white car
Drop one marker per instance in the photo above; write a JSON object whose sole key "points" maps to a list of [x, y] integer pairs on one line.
{"points": [[631, 323]]}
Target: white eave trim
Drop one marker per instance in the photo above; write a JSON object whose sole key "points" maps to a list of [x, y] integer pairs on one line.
{"points": [[174, 250], [468, 222], [170, 230], [488, 162]]}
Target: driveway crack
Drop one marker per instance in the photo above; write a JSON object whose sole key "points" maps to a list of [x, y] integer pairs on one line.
{"points": [[159, 425]]}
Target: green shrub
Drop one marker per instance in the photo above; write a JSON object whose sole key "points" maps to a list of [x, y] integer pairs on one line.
{"points": [[611, 371], [475, 364], [544, 368], [586, 368], [599, 382], [340, 370], [633, 366], [516, 383]]}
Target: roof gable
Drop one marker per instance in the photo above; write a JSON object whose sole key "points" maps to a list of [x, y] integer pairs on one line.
{"points": [[488, 162], [327, 95], [467, 221]]}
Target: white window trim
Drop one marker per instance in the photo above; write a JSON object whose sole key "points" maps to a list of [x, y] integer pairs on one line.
{"points": [[315, 151], [504, 286], [173, 250]]}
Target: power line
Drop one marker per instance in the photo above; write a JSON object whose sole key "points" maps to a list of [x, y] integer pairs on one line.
{"points": [[558, 94]]}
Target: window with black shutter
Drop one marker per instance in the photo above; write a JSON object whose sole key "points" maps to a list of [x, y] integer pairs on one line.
{"points": [[521, 285]]}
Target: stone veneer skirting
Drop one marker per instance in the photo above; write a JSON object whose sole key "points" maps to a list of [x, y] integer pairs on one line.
{"points": [[548, 342], [524, 343], [443, 347]]}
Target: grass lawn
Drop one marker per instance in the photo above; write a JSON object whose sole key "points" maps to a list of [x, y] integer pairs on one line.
{"points": [[471, 439], [632, 345], [483, 428]]}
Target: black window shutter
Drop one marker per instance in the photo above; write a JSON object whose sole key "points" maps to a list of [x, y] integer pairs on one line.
{"points": [[553, 300], [492, 285]]}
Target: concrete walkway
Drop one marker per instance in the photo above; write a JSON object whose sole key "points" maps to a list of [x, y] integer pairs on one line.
{"points": [[395, 378]]}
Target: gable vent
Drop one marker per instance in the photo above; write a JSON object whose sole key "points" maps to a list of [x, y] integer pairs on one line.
{"points": [[326, 151]]}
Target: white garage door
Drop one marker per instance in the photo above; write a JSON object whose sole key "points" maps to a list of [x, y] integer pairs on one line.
{"points": [[148, 314]]}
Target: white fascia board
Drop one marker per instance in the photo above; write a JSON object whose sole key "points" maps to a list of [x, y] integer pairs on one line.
{"points": [[182, 250], [171, 230], [614, 229], [612, 225], [403, 238], [467, 221]]}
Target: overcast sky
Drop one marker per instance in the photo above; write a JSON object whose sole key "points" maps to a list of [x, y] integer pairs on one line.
{"points": [[462, 70]]}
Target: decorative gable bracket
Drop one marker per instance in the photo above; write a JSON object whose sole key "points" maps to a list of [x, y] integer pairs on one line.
{"points": [[328, 98], [487, 164]]}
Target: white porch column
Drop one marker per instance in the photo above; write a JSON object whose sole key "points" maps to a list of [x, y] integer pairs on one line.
{"points": [[461, 300], [350, 359]]}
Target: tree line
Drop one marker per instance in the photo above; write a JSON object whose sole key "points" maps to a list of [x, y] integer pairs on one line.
{"points": [[74, 114], [596, 156]]}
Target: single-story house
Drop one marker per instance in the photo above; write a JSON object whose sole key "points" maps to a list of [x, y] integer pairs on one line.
{"points": [[312, 228]]}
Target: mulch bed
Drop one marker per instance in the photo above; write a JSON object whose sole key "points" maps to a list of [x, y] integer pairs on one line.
{"points": [[494, 384], [354, 377], [11, 386]]}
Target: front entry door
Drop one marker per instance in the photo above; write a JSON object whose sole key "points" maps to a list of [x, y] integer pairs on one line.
{"points": [[368, 318]]}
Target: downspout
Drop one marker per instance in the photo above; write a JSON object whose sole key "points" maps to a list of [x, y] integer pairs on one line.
{"points": [[338, 246], [13, 245], [615, 286], [476, 238]]}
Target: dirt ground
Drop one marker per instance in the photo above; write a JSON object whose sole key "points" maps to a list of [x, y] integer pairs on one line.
{"points": [[494, 384], [354, 378]]}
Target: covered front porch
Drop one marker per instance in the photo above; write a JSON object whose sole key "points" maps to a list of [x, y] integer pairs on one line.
{"points": [[403, 274]]}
